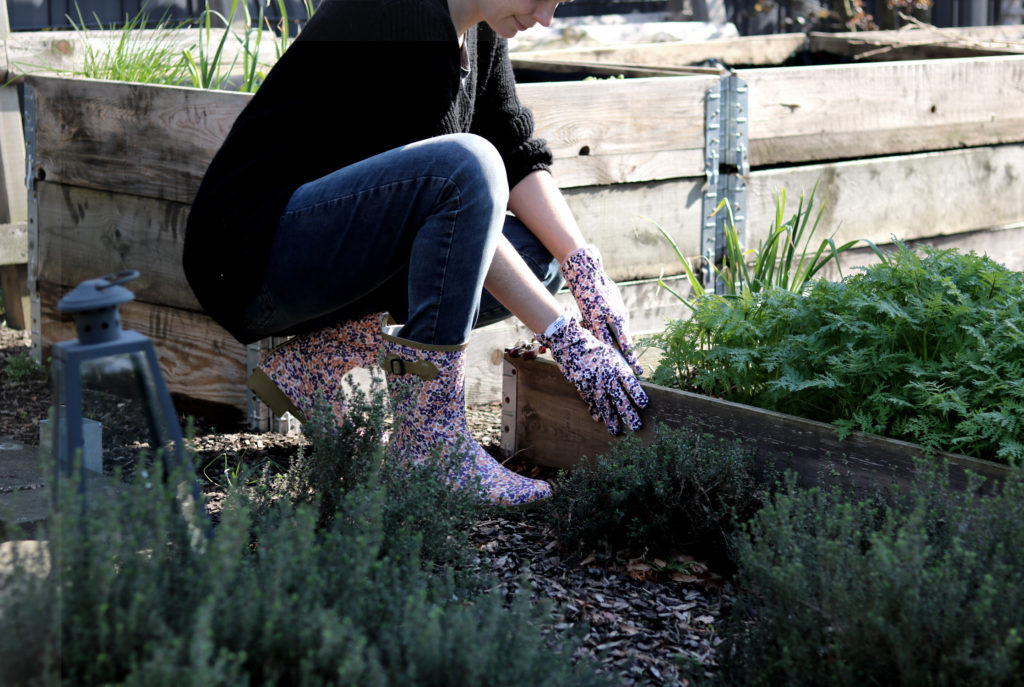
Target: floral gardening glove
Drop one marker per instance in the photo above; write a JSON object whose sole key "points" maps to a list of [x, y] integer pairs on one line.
{"points": [[599, 373], [600, 302]]}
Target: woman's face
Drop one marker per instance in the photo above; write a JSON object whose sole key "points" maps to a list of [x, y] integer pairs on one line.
{"points": [[509, 17]]}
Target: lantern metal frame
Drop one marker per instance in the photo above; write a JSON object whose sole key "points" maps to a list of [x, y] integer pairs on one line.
{"points": [[93, 304]]}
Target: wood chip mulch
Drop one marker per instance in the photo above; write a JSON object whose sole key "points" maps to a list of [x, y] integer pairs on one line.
{"points": [[640, 624]]}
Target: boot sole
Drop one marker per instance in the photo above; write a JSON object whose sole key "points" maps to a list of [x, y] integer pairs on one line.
{"points": [[272, 396]]}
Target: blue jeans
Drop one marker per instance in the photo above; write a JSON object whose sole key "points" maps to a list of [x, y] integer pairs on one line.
{"points": [[411, 231]]}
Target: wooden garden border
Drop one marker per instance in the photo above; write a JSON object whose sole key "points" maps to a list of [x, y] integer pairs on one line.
{"points": [[544, 420], [921, 149], [13, 204]]}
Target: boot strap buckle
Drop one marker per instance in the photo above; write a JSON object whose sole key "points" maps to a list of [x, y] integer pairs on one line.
{"points": [[421, 368], [395, 365]]}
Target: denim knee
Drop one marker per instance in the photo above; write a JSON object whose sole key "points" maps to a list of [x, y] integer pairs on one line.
{"points": [[453, 248], [477, 160]]}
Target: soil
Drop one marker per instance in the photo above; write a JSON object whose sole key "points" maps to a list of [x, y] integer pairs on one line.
{"points": [[648, 627]]}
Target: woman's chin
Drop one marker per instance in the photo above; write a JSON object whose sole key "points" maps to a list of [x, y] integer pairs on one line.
{"points": [[505, 30]]}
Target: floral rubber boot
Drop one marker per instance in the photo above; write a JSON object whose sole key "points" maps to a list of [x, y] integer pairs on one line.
{"points": [[291, 374], [427, 385]]}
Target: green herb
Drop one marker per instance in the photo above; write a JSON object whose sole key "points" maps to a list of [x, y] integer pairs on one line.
{"points": [[208, 70], [926, 347], [921, 586], [133, 53], [22, 367], [277, 594], [782, 260], [686, 489]]}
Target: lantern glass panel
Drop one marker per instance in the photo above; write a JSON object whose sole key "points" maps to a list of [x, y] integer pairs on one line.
{"points": [[119, 392]]}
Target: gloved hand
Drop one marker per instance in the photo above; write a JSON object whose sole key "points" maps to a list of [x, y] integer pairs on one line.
{"points": [[600, 302], [599, 373]]}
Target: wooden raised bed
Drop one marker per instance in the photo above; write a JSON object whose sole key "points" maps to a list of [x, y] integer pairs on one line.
{"points": [[929, 150], [545, 421]]}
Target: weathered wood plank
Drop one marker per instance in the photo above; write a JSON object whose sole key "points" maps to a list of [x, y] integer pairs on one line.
{"points": [[620, 219], [1005, 245], [148, 140], [201, 363], [553, 427], [771, 51], [612, 69], [13, 203], [803, 114], [644, 129], [907, 196], [750, 50], [14, 243], [86, 233], [601, 132], [13, 194], [64, 52], [605, 132], [920, 43]]}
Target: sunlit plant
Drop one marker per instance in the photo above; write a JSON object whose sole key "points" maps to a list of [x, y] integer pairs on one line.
{"points": [[785, 259]]}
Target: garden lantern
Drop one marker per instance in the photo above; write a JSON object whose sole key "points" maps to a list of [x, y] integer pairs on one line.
{"points": [[103, 345]]}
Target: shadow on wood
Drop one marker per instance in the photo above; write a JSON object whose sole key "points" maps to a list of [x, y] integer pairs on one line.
{"points": [[545, 421]]}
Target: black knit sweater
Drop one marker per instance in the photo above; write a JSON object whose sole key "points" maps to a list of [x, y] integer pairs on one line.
{"points": [[363, 77]]}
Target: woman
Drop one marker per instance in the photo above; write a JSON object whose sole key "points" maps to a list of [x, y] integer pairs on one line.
{"points": [[372, 173]]}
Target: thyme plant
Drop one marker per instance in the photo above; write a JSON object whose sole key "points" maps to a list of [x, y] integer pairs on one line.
{"points": [[919, 586], [283, 591]]}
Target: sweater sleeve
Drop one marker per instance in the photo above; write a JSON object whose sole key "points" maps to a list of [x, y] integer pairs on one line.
{"points": [[500, 117]]}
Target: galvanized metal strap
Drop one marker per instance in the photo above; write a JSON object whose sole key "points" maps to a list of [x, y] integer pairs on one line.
{"points": [[260, 418], [29, 123], [726, 168]]}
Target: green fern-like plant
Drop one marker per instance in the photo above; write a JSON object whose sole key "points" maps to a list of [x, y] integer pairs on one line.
{"points": [[925, 346]]}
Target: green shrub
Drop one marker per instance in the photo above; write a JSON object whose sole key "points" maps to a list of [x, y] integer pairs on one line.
{"points": [[22, 367], [684, 489], [926, 347], [919, 587], [141, 593], [352, 454]]}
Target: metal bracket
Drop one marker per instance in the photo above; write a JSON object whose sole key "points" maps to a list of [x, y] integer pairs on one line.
{"points": [[726, 168], [29, 123], [509, 386], [261, 419]]}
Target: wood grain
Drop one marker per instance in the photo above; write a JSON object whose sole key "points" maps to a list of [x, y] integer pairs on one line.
{"points": [[804, 114], [906, 196], [199, 360], [747, 50], [144, 140], [85, 233], [553, 427], [601, 132]]}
